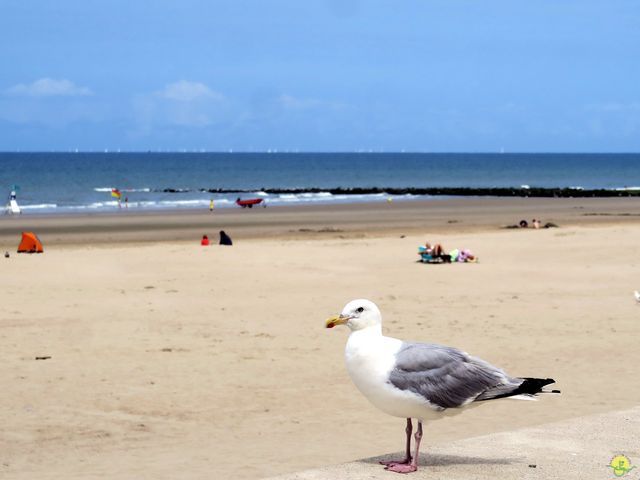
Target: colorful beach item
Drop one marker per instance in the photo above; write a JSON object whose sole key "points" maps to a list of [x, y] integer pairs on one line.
{"points": [[115, 193], [249, 202], [30, 243]]}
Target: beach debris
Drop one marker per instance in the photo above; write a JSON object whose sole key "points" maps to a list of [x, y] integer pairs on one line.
{"points": [[45, 357], [637, 295]]}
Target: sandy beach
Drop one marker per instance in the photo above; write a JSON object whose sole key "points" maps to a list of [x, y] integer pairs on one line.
{"points": [[170, 360]]}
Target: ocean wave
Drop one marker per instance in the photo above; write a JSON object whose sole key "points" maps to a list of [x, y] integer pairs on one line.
{"points": [[128, 190], [93, 206], [316, 195], [178, 203], [41, 206]]}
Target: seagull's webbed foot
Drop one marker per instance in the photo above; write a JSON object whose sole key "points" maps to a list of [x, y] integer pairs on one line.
{"points": [[412, 465], [407, 458], [388, 463], [401, 468]]}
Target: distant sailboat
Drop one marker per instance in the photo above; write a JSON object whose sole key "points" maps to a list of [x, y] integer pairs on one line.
{"points": [[12, 207]]}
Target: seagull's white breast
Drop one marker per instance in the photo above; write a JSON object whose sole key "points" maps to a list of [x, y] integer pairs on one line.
{"points": [[370, 357]]}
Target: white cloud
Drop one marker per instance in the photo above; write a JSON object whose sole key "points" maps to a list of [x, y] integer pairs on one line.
{"points": [[185, 91], [289, 101], [296, 103], [182, 103], [48, 87]]}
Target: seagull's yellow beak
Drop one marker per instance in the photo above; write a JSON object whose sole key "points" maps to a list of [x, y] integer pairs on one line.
{"points": [[336, 320]]}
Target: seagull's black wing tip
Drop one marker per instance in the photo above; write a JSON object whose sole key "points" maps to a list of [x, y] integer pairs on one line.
{"points": [[532, 386]]}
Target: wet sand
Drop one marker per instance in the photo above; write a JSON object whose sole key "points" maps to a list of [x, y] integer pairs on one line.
{"points": [[437, 215]]}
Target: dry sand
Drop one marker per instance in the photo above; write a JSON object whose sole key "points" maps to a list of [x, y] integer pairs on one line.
{"points": [[170, 360]]}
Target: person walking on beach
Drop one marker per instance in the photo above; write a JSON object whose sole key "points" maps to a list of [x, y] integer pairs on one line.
{"points": [[211, 205]]}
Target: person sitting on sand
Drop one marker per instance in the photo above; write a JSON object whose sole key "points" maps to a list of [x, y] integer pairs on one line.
{"points": [[225, 239], [536, 223], [467, 256], [523, 224], [437, 250], [205, 241]]}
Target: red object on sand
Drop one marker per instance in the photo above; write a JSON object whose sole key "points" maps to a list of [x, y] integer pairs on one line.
{"points": [[205, 241], [249, 202]]}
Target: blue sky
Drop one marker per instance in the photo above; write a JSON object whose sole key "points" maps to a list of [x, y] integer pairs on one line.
{"points": [[320, 75]]}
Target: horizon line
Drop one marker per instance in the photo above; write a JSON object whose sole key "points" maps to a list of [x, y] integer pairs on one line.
{"points": [[320, 152]]}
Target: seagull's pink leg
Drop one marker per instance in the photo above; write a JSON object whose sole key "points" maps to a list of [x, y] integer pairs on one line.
{"points": [[413, 466], [407, 457]]}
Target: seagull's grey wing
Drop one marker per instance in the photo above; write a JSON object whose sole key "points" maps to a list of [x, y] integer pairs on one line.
{"points": [[447, 377]]}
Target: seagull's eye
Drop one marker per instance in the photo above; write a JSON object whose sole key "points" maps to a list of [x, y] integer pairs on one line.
{"points": [[360, 309]]}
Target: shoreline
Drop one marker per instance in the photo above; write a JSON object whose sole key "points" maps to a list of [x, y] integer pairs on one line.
{"points": [[459, 215]]}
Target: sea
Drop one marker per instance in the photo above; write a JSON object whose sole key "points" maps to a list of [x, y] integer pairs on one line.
{"points": [[76, 182]]}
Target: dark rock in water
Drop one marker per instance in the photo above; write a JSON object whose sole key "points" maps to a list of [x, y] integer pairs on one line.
{"points": [[440, 191]]}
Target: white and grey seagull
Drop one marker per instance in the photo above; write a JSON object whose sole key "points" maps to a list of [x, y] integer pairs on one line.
{"points": [[418, 380]]}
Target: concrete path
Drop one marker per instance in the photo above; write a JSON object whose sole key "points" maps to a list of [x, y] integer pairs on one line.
{"points": [[580, 448]]}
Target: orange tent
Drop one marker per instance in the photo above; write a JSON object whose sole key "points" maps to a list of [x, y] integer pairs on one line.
{"points": [[30, 243]]}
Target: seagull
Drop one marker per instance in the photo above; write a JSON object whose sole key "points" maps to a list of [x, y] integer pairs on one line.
{"points": [[637, 295], [419, 380]]}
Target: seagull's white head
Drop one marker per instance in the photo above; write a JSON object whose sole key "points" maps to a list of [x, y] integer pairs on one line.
{"points": [[357, 314]]}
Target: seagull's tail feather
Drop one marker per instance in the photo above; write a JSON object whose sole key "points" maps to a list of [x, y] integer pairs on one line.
{"points": [[533, 386], [526, 390]]}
